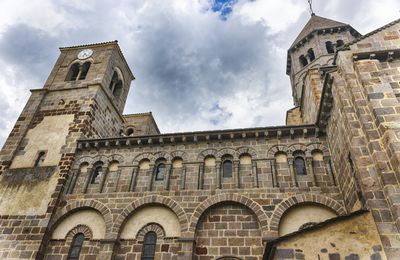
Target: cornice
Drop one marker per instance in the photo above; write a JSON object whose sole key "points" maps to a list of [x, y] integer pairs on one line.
{"points": [[202, 136]]}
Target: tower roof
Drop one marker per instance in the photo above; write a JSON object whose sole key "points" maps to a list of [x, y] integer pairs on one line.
{"points": [[317, 23]]}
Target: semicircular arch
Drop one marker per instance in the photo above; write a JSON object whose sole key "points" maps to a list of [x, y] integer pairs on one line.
{"points": [[256, 209], [275, 149], [145, 201], [77, 205], [300, 199]]}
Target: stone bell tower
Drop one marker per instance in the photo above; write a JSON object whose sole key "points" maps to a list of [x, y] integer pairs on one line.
{"points": [[83, 97], [310, 55]]}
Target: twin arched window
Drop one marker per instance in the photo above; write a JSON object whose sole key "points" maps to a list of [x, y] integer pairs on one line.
{"points": [[149, 246], [76, 247], [78, 71]]}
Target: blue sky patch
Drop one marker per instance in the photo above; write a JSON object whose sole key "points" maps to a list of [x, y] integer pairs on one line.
{"points": [[223, 7]]}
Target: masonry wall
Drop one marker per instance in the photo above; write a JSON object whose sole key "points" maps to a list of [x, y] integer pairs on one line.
{"points": [[365, 118], [355, 238], [218, 216]]}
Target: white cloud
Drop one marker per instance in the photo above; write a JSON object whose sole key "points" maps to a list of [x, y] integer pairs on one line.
{"points": [[193, 70]]}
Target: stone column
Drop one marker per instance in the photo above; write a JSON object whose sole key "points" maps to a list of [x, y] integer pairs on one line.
{"points": [[168, 172], [236, 173], [152, 170], [134, 178], [183, 177], [200, 182], [310, 170], [74, 177], [85, 187], [103, 178], [273, 172], [292, 174], [218, 166], [117, 181], [255, 173], [328, 170]]}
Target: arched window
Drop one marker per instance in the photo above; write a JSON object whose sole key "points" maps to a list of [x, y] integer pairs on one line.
{"points": [[130, 131], [339, 43], [311, 54], [39, 159], [97, 173], [73, 72], [149, 245], [84, 70], [117, 89], [160, 172], [303, 60], [78, 72], [329, 47], [113, 81], [300, 166], [76, 247], [116, 85], [227, 169]]}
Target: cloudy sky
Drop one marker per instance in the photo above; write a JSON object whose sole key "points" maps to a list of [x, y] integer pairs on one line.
{"points": [[199, 64]]}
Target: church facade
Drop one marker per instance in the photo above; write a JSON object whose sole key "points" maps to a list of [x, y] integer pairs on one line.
{"points": [[81, 180]]}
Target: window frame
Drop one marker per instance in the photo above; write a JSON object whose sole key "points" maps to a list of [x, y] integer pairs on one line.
{"points": [[157, 173], [39, 159], [224, 173], [95, 174], [75, 245], [149, 244], [304, 170], [303, 61], [329, 47]]}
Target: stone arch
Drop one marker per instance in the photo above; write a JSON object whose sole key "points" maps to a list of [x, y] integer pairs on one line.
{"points": [[298, 147], [299, 199], [86, 159], [119, 72], [275, 149], [227, 151], [91, 60], [181, 154], [229, 258], [159, 230], [159, 155], [150, 200], [247, 150], [142, 156], [85, 230], [116, 157], [229, 197], [77, 205], [318, 146], [206, 153], [101, 158]]}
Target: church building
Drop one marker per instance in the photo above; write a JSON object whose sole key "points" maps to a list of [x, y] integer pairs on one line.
{"points": [[81, 180]]}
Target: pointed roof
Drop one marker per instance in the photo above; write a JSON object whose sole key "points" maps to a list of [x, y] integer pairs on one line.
{"points": [[316, 23]]}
